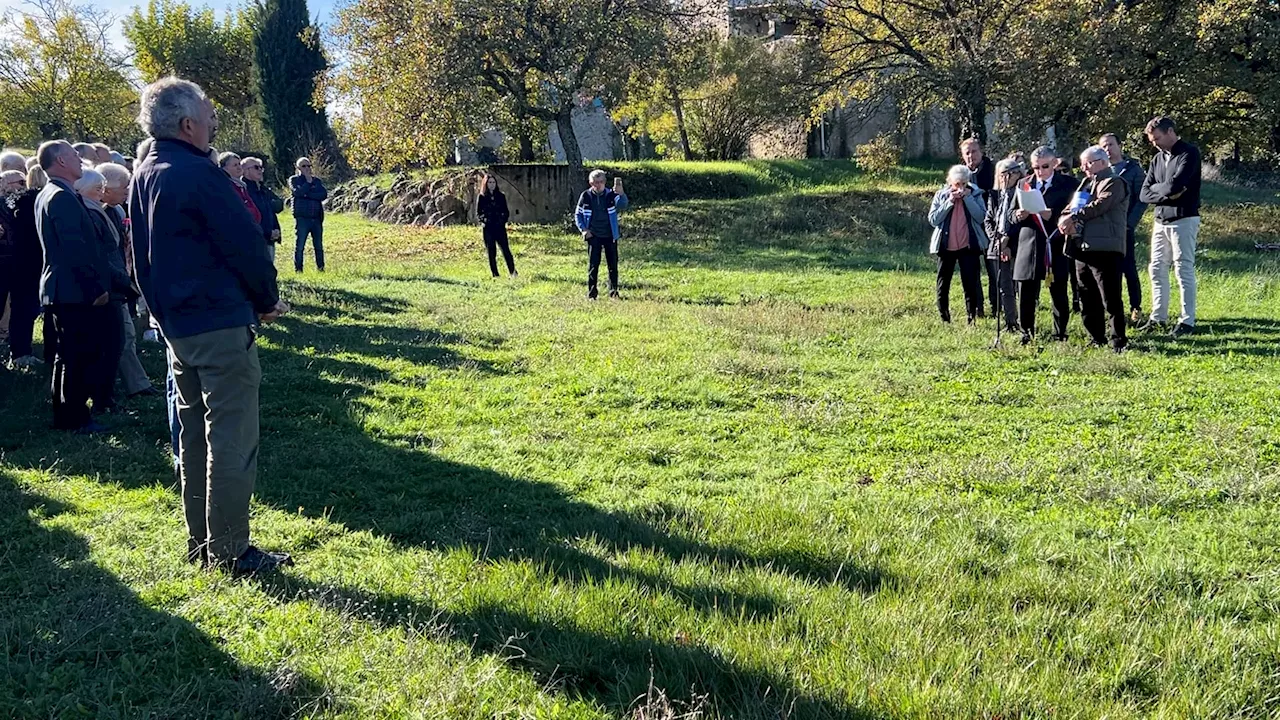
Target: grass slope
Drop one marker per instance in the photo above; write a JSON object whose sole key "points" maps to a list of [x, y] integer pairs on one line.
{"points": [[768, 484]]}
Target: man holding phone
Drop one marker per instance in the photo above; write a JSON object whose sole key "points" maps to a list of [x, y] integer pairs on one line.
{"points": [[597, 219]]}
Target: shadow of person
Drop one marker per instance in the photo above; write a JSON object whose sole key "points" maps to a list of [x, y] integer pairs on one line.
{"points": [[81, 643], [1256, 337]]}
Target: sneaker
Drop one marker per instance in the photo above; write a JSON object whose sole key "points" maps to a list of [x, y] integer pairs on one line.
{"points": [[1182, 330], [1135, 317], [254, 560], [26, 361], [615, 295], [1152, 325]]}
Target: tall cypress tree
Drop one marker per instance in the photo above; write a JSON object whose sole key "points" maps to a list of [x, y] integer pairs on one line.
{"points": [[287, 59]]}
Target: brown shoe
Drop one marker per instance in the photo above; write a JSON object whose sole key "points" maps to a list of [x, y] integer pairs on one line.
{"points": [[1135, 317]]}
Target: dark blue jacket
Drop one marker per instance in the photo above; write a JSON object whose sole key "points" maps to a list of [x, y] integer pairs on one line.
{"points": [[308, 197], [613, 204], [76, 269], [198, 255], [269, 204]]}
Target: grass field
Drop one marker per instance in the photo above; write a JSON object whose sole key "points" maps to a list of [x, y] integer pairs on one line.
{"points": [[767, 484]]}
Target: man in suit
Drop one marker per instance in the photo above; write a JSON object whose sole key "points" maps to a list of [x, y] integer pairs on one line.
{"points": [[202, 266], [1058, 190], [75, 287]]}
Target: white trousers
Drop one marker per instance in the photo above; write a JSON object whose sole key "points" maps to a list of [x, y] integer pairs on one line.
{"points": [[1174, 243]]}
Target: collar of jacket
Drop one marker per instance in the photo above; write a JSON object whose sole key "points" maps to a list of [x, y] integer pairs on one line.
{"points": [[238, 182], [60, 182], [182, 145], [1106, 173], [92, 204]]}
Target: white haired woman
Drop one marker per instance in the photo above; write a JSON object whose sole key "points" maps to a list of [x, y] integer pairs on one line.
{"points": [[957, 214], [1023, 253], [91, 187]]}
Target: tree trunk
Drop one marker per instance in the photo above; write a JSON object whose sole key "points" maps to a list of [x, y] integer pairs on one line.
{"points": [[568, 139], [677, 105], [525, 137], [973, 115]]}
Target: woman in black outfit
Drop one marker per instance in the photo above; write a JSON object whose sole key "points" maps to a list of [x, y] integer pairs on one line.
{"points": [[491, 207], [1021, 249]]}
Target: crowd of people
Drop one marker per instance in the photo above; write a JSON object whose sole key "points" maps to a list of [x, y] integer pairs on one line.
{"points": [[1030, 225], [182, 240]]}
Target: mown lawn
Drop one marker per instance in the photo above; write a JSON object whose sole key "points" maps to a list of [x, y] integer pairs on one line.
{"points": [[768, 484]]}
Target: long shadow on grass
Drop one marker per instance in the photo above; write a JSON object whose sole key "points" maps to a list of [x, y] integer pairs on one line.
{"points": [[323, 462], [80, 643], [613, 670], [1258, 337]]}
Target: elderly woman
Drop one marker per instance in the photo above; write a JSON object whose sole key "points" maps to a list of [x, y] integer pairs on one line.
{"points": [[957, 215], [91, 187], [1024, 249]]}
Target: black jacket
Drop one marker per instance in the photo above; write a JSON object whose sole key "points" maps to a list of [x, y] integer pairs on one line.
{"points": [[308, 197], [197, 253], [1171, 173], [27, 241], [269, 204], [76, 269], [492, 209], [1023, 242]]}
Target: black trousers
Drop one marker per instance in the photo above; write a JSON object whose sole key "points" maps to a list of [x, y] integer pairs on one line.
{"points": [[1132, 281], [993, 284], [1100, 276], [79, 359], [1007, 292], [111, 338], [497, 238], [970, 264], [1059, 297], [610, 248]]}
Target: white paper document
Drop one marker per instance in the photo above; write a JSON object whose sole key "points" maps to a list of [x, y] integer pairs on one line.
{"points": [[1031, 200]]}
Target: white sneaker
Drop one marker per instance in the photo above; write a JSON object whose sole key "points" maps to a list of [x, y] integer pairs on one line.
{"points": [[27, 361]]}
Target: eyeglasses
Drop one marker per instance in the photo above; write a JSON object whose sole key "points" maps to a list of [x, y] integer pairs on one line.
{"points": [[305, 165], [1043, 167]]}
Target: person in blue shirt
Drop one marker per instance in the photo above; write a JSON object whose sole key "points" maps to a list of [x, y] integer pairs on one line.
{"points": [[597, 218]]}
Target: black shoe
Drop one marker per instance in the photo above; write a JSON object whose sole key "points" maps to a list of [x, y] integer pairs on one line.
{"points": [[615, 295], [591, 296], [515, 274], [91, 428], [1152, 325], [1026, 338], [1119, 349], [198, 555], [145, 392], [254, 560], [1183, 329]]}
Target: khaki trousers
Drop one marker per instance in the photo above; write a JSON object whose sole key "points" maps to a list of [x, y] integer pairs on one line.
{"points": [[217, 377]]}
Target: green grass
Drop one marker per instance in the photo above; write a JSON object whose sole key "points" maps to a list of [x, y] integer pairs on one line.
{"points": [[769, 484]]}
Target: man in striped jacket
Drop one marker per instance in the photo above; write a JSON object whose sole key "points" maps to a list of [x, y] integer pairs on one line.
{"points": [[597, 218]]}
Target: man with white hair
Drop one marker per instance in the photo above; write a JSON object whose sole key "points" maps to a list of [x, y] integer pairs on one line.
{"points": [[11, 160], [75, 287], [597, 219], [308, 212], [91, 187], [204, 272], [1096, 240], [133, 377], [1057, 189]]}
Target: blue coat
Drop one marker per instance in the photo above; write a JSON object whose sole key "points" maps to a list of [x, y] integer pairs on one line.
{"points": [[614, 202], [940, 217], [308, 197], [198, 255]]}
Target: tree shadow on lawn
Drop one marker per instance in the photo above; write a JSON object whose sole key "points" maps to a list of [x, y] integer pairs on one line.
{"points": [[79, 642], [1259, 337], [318, 457]]}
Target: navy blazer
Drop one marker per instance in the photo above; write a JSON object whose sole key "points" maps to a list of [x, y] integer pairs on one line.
{"points": [[76, 272]]}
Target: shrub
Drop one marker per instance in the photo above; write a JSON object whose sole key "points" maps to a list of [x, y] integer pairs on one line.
{"points": [[880, 156]]}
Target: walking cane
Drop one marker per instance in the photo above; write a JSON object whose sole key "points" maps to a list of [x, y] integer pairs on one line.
{"points": [[999, 302]]}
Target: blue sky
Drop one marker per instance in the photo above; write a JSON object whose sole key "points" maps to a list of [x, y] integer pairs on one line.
{"points": [[320, 9]]}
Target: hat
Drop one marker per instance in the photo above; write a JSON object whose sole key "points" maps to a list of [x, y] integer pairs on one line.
{"points": [[1009, 165]]}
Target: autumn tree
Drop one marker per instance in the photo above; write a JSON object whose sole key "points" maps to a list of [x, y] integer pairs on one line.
{"points": [[60, 77]]}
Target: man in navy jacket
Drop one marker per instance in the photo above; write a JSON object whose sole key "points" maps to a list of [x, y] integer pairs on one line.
{"points": [[308, 212], [203, 268], [597, 218]]}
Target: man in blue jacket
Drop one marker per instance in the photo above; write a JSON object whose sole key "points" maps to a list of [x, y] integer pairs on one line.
{"points": [[269, 204], [203, 268], [75, 286], [597, 219], [308, 212]]}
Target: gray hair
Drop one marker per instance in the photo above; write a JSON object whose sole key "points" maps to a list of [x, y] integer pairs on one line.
{"points": [[33, 161], [1008, 165], [11, 160], [50, 151], [115, 175], [959, 172], [250, 161], [1044, 151], [11, 175], [226, 157], [165, 103], [117, 158], [596, 175], [297, 164], [90, 179], [1093, 152], [85, 150]]}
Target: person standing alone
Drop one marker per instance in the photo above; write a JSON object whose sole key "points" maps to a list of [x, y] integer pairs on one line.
{"points": [[597, 219], [308, 212], [491, 208], [1172, 185]]}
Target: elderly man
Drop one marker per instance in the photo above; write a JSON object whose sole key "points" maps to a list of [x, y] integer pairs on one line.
{"points": [[1131, 172], [102, 153], [268, 203], [230, 164], [597, 219], [1172, 185], [1097, 241], [1057, 190], [200, 263], [10, 160], [133, 377], [90, 187], [75, 287], [87, 152], [308, 212]]}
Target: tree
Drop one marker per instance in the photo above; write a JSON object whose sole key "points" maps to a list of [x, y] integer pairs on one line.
{"points": [[59, 77], [516, 63], [288, 61]]}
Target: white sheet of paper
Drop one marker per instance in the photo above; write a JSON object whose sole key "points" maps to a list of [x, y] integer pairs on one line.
{"points": [[1031, 200]]}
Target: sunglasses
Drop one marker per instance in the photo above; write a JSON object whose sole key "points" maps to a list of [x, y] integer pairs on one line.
{"points": [[1043, 167], [302, 166]]}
